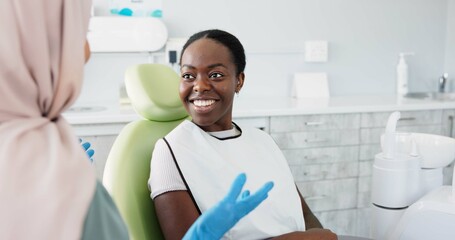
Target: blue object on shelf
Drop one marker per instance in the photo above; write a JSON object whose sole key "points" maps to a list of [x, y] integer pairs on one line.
{"points": [[157, 13], [126, 12]]}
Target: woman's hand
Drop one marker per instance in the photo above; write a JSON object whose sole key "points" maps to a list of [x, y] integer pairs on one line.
{"points": [[90, 152], [216, 221], [310, 234]]}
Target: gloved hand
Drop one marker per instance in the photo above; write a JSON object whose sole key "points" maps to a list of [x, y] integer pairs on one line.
{"points": [[216, 221], [90, 152]]}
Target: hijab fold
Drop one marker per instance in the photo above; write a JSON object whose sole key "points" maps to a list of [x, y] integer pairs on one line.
{"points": [[46, 180]]}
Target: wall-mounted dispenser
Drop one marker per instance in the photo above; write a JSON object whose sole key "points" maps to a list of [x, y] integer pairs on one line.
{"points": [[126, 34]]}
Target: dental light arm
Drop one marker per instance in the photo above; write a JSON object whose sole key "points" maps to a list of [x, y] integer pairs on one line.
{"points": [[216, 221]]}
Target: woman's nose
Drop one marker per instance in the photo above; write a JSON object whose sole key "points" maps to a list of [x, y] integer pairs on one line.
{"points": [[201, 84]]}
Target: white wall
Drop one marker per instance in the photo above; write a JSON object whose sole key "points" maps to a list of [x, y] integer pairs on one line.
{"points": [[365, 37], [449, 65]]}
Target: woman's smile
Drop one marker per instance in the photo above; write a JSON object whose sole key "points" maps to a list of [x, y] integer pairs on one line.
{"points": [[203, 106]]}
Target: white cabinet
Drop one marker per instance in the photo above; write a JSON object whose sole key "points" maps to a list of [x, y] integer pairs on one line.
{"points": [[322, 152]]}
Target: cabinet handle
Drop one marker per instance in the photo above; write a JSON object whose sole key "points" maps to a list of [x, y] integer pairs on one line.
{"points": [[324, 156], [451, 126], [316, 140], [407, 119], [317, 197], [313, 123]]}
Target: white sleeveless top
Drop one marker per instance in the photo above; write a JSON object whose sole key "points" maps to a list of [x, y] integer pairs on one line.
{"points": [[209, 165]]}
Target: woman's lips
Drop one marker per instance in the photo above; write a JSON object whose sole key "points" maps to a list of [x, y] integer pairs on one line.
{"points": [[203, 106]]}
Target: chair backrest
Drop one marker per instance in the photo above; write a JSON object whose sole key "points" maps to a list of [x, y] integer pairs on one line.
{"points": [[153, 91]]}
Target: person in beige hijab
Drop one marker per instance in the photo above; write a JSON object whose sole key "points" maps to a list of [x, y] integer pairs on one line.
{"points": [[48, 189]]}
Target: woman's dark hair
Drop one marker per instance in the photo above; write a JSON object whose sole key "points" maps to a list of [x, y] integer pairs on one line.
{"points": [[226, 39]]}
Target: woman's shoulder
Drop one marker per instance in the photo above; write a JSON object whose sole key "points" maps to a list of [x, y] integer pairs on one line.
{"points": [[103, 220]]}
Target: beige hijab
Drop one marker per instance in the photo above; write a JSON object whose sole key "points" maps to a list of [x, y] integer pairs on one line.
{"points": [[46, 181]]}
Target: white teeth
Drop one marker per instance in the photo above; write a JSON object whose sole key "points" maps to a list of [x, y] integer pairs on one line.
{"points": [[203, 103]]}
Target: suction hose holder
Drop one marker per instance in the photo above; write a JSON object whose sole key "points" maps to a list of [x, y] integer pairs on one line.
{"points": [[389, 138]]}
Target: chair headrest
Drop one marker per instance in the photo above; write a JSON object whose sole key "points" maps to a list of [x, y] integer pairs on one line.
{"points": [[153, 91]]}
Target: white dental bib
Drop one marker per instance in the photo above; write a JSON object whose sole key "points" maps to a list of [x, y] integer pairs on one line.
{"points": [[209, 166]]}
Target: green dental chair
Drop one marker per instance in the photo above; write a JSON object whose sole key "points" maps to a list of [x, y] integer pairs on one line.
{"points": [[153, 91]]}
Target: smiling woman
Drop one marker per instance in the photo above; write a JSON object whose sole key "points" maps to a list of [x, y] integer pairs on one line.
{"points": [[209, 80], [193, 165]]}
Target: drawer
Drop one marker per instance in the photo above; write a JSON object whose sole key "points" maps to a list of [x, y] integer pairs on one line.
{"points": [[408, 118], [364, 194], [330, 194], [102, 129], [316, 172], [309, 156], [373, 135], [368, 151], [342, 222], [255, 122], [363, 219], [448, 118], [316, 139], [314, 122], [366, 168]]}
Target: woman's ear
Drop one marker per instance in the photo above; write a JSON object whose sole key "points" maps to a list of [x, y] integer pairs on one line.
{"points": [[240, 80]]}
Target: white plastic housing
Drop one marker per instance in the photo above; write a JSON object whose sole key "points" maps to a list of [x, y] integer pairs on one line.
{"points": [[436, 151], [395, 181], [126, 34], [384, 221], [432, 217]]}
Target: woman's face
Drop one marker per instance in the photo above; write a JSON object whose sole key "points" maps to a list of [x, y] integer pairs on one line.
{"points": [[208, 84]]}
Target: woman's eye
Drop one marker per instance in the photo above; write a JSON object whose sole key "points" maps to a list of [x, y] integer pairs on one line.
{"points": [[187, 76], [216, 75]]}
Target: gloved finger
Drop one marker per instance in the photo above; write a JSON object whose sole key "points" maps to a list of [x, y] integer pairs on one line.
{"points": [[86, 145], [90, 153], [245, 194], [236, 187], [255, 199]]}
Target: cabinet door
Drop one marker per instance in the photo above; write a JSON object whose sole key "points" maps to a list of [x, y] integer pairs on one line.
{"points": [[342, 222], [329, 195], [279, 124], [297, 140], [373, 135], [408, 118], [314, 164], [448, 127]]}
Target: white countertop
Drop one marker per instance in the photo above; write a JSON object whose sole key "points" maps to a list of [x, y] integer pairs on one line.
{"points": [[268, 106]]}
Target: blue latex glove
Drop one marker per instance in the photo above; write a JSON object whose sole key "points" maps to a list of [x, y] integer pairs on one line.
{"points": [[90, 152], [216, 221]]}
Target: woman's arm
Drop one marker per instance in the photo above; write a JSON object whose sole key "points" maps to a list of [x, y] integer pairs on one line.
{"points": [[314, 230], [311, 234], [310, 219], [176, 212]]}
